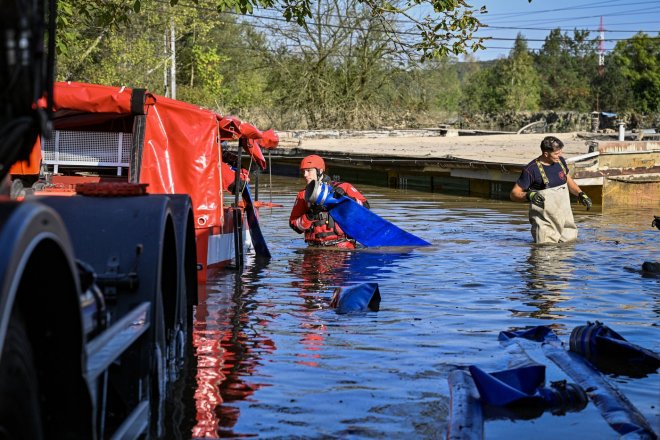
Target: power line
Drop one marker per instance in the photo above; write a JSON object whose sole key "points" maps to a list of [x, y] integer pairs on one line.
{"points": [[566, 29], [601, 4]]}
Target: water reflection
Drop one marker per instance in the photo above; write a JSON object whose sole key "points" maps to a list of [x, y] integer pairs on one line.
{"points": [[229, 345], [320, 270], [547, 276], [383, 375]]}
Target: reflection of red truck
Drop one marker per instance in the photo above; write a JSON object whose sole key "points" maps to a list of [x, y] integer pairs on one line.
{"points": [[97, 289]]}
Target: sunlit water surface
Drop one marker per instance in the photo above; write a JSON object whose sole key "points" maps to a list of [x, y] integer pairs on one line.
{"points": [[274, 360]]}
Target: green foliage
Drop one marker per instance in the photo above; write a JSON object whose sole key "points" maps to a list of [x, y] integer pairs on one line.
{"points": [[638, 61], [567, 66], [345, 67], [483, 90], [520, 81]]}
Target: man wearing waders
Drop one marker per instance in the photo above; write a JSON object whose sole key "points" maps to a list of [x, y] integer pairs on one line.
{"points": [[545, 184]]}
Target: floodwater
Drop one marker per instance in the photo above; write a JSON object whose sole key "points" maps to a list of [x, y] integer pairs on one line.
{"points": [[275, 361]]}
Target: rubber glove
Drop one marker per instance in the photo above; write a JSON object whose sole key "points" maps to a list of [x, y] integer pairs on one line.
{"points": [[585, 200], [313, 211], [339, 192], [536, 198]]}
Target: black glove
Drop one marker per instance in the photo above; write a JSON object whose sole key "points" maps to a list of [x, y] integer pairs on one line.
{"points": [[229, 158], [656, 221], [339, 192], [536, 198], [232, 187], [585, 200], [313, 211]]}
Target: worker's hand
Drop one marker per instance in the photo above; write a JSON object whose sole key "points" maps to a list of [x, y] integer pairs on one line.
{"points": [[339, 192], [313, 211], [585, 200], [232, 187], [656, 221], [536, 198]]}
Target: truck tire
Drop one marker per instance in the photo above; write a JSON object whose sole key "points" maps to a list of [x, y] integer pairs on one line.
{"points": [[20, 416]]}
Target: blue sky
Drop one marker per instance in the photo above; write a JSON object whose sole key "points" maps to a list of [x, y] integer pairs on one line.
{"points": [[506, 18]]}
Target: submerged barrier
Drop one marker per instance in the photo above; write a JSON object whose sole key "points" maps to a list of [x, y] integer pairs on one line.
{"points": [[610, 351], [466, 418], [520, 392]]}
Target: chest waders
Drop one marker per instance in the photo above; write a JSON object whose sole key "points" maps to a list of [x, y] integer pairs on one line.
{"points": [[554, 223]]}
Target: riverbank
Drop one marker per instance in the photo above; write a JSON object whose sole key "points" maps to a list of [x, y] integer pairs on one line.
{"points": [[480, 165], [516, 149]]}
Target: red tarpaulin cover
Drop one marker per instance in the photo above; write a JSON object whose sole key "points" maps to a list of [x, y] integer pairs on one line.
{"points": [[181, 150]]}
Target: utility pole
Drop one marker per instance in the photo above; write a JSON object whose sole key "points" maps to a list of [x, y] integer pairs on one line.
{"points": [[601, 49], [173, 59], [166, 89]]}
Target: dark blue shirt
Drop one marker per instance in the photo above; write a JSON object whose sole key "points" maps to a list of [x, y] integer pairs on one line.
{"points": [[530, 177]]}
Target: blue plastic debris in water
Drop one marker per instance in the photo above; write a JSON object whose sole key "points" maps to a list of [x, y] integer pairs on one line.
{"points": [[610, 351], [505, 387], [358, 298], [539, 333], [525, 386]]}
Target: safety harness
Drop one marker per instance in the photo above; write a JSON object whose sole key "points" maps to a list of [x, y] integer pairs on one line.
{"points": [[542, 171], [325, 231]]}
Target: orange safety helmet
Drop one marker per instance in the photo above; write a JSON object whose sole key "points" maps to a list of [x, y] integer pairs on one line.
{"points": [[312, 161]]}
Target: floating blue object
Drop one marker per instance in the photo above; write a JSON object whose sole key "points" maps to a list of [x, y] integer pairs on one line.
{"points": [[510, 386], [358, 222], [525, 386], [358, 298], [258, 240], [539, 333], [601, 344]]}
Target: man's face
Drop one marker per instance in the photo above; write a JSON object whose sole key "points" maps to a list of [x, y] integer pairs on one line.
{"points": [[309, 174], [554, 156]]}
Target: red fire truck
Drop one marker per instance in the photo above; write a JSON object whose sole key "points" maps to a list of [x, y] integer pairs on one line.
{"points": [[97, 289]]}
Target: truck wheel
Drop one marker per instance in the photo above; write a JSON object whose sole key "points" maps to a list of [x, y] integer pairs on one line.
{"points": [[20, 416]]}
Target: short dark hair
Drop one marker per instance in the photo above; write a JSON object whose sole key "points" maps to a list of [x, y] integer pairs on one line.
{"points": [[551, 144]]}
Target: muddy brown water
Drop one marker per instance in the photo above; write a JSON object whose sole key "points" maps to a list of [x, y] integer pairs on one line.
{"points": [[274, 361]]}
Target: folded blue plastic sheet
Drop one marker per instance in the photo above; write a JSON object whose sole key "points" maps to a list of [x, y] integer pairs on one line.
{"points": [[358, 222], [258, 240], [506, 387], [359, 298]]}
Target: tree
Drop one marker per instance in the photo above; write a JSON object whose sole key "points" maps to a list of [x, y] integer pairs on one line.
{"points": [[567, 66], [638, 60], [483, 90], [441, 79], [449, 29], [333, 71], [521, 82]]}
